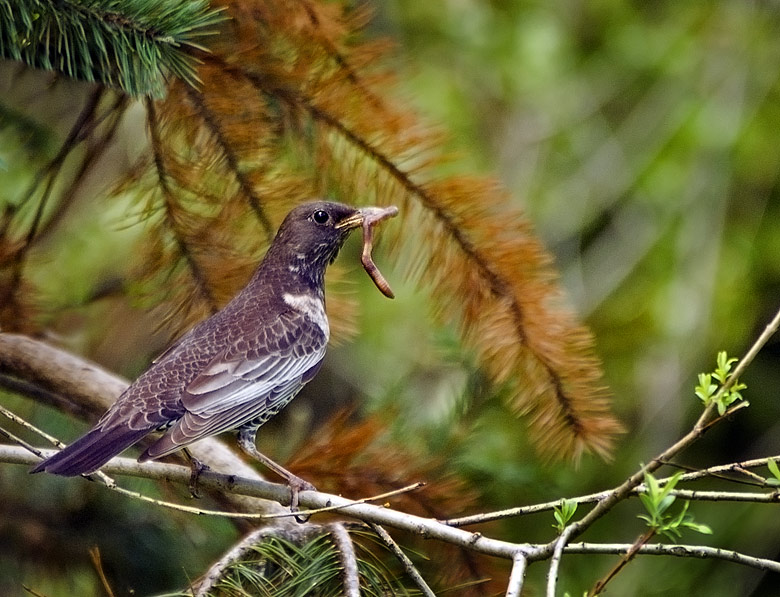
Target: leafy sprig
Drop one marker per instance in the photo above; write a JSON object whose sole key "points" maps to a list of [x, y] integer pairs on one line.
{"points": [[708, 391], [775, 470], [657, 500], [563, 514]]}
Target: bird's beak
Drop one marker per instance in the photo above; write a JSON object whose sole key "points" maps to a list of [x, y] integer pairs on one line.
{"points": [[370, 214]]}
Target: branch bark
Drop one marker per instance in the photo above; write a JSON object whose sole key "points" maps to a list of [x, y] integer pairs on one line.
{"points": [[681, 551], [243, 486]]}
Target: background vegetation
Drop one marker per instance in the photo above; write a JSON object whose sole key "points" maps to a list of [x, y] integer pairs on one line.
{"points": [[640, 138]]}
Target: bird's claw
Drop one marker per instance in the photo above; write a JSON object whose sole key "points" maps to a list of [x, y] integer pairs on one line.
{"points": [[197, 468], [296, 485]]}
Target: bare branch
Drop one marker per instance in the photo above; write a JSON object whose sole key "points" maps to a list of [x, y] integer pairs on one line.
{"points": [[555, 561], [346, 554], [408, 565], [772, 497], [428, 528], [701, 425], [688, 494], [732, 467], [234, 484], [601, 584], [517, 577], [682, 551]]}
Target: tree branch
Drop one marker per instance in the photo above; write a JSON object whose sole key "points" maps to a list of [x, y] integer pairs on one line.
{"points": [[243, 486], [681, 551], [408, 565], [516, 579], [54, 370], [701, 425], [688, 494], [347, 559]]}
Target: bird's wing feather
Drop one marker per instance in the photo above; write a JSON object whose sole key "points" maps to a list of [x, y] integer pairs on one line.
{"points": [[194, 426], [234, 376], [250, 401], [238, 386]]}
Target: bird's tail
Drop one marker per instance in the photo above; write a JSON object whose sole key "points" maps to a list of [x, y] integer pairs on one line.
{"points": [[91, 451]]}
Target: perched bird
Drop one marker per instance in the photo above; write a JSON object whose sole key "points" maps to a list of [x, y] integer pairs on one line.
{"points": [[241, 366]]}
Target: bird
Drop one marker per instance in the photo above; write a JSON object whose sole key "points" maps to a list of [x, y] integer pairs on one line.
{"points": [[240, 367]]}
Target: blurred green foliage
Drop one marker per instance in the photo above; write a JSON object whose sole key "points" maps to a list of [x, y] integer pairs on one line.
{"points": [[642, 139]]}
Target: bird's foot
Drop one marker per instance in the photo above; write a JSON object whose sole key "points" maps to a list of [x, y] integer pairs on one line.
{"points": [[296, 485], [197, 468]]}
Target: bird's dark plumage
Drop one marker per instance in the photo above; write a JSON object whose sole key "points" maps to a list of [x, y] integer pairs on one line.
{"points": [[238, 368]]}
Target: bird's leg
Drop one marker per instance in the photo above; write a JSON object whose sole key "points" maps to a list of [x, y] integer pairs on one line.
{"points": [[197, 468], [246, 441]]}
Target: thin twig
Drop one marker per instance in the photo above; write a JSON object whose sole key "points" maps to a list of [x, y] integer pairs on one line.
{"points": [[598, 588], [18, 440], [555, 561], [30, 427], [742, 365], [625, 489], [514, 587], [713, 471], [682, 551], [94, 555], [522, 510], [374, 498], [772, 497], [346, 553], [409, 567]]}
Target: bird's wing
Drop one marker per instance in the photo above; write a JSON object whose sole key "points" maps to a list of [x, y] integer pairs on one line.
{"points": [[235, 388]]}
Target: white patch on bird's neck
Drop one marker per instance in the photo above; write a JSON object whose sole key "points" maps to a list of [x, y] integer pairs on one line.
{"points": [[296, 266], [312, 307]]}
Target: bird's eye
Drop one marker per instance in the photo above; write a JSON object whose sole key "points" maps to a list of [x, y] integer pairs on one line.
{"points": [[320, 216]]}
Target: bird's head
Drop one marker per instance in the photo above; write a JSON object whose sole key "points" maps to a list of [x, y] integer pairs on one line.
{"points": [[312, 233], [315, 231]]}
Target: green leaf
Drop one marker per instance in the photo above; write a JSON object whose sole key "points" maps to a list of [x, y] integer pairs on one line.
{"points": [[723, 366], [773, 468], [706, 389], [699, 528], [564, 513], [665, 502]]}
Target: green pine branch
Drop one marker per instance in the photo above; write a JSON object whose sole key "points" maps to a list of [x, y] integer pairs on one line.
{"points": [[133, 45]]}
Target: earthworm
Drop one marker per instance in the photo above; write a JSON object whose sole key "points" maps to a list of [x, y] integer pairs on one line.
{"points": [[371, 217]]}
